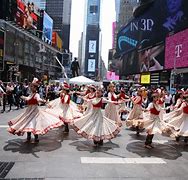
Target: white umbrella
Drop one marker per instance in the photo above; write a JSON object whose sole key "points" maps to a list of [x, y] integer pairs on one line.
{"points": [[82, 80]]}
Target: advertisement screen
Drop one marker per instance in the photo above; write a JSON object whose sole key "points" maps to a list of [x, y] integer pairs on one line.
{"points": [[26, 16], [47, 27], [91, 65], [161, 18], [147, 60], [92, 46], [145, 78], [176, 55]]}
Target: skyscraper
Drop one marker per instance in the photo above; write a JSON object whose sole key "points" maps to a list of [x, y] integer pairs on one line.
{"points": [[91, 39], [126, 11], [60, 11]]}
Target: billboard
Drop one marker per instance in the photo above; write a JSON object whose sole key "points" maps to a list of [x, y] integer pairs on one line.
{"points": [[47, 27], [26, 15], [56, 40], [152, 27], [145, 79], [139, 61], [92, 46], [91, 65], [176, 55]]}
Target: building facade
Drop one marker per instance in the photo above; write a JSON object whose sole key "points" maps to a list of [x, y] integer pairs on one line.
{"points": [[91, 39], [60, 11], [26, 56]]}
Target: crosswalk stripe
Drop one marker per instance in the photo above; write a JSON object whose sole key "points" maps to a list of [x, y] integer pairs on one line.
{"points": [[107, 160], [4, 126]]}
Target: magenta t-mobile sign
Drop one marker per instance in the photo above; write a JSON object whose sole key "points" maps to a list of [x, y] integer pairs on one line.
{"points": [[176, 50]]}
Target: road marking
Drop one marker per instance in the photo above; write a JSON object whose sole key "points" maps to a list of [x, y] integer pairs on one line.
{"points": [[106, 160], [4, 126], [160, 141]]}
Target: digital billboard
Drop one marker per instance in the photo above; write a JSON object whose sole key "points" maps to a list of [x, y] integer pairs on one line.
{"points": [[176, 55], [47, 27], [145, 79], [139, 61], [91, 65], [152, 27], [26, 16]]}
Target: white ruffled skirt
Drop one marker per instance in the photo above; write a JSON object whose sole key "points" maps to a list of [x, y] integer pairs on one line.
{"points": [[34, 120], [66, 112], [95, 126]]}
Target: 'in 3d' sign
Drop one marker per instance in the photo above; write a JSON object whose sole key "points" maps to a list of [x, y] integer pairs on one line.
{"points": [[176, 55], [153, 26]]}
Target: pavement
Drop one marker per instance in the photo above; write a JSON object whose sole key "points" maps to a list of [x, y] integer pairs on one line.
{"points": [[69, 156]]}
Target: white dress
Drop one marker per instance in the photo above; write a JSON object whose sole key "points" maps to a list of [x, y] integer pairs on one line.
{"points": [[112, 110], [88, 104], [135, 116], [180, 123], [176, 112], [63, 107], [95, 125], [34, 119], [152, 121]]}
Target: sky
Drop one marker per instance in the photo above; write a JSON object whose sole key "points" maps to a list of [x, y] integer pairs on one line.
{"points": [[77, 24]]}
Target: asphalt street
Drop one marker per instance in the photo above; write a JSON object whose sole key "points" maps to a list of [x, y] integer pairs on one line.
{"points": [[69, 156]]}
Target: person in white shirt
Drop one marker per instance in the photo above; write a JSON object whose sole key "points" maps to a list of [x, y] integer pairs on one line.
{"points": [[168, 100]]}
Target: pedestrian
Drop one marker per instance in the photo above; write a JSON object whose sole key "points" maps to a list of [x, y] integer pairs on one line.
{"points": [[94, 125], [74, 67], [9, 93], [168, 101], [34, 120]]}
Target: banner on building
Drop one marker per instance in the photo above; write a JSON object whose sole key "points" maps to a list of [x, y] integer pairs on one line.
{"points": [[91, 65], [176, 55], [47, 27], [145, 78], [147, 60], [152, 27], [92, 46]]}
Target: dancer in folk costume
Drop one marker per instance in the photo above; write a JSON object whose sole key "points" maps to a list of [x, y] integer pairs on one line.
{"points": [[180, 123], [34, 120], [152, 122], [95, 125], [64, 107], [176, 111], [135, 117], [122, 97], [89, 96], [161, 102], [111, 109]]}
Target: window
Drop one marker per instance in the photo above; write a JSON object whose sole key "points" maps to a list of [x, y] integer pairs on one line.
{"points": [[93, 9]]}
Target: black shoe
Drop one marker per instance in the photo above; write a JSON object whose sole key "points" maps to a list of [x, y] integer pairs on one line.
{"points": [[137, 133], [100, 142], [2, 111], [177, 138], [36, 141]]}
